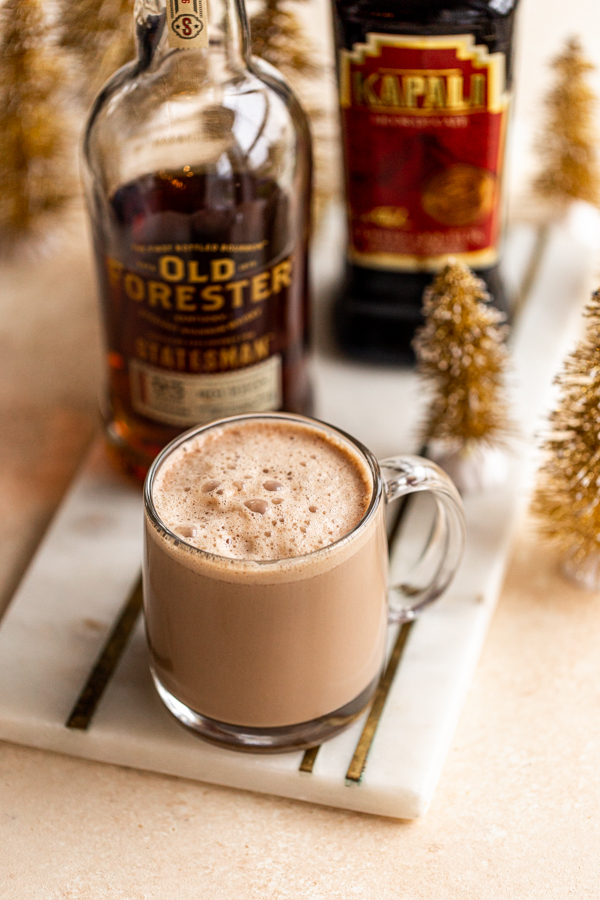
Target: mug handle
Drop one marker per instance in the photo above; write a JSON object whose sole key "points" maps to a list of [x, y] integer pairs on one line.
{"points": [[403, 475]]}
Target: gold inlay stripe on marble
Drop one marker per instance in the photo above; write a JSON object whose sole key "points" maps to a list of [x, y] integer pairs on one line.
{"points": [[108, 660], [359, 760], [309, 759]]}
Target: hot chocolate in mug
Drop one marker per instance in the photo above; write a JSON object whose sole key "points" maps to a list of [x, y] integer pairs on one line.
{"points": [[266, 589]]}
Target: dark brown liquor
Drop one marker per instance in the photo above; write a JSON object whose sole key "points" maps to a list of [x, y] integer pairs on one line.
{"points": [[197, 168], [425, 95], [205, 304]]}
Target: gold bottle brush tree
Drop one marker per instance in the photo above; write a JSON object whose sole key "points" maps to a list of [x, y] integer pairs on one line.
{"points": [[567, 498], [568, 143], [99, 34], [462, 359], [35, 165]]}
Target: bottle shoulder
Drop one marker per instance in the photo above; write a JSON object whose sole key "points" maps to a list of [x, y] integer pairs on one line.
{"points": [[137, 94], [180, 113]]}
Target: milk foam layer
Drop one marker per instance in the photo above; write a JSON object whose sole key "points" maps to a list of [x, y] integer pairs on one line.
{"points": [[262, 490]]}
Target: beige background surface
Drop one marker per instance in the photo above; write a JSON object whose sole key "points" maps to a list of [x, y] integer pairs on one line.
{"points": [[517, 812]]}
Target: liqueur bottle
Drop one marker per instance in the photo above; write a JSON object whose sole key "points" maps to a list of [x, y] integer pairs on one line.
{"points": [[424, 94], [197, 172]]}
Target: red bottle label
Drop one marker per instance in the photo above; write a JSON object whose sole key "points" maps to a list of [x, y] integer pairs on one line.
{"points": [[424, 123]]}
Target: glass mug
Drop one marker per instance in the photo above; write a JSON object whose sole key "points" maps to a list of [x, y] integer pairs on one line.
{"points": [[274, 655]]}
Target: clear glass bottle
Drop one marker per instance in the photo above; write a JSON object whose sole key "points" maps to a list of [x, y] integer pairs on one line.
{"points": [[197, 176]]}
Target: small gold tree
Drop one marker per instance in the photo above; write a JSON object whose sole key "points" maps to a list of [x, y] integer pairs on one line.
{"points": [[461, 355], [279, 37], [567, 496], [100, 35], [568, 144], [33, 129]]}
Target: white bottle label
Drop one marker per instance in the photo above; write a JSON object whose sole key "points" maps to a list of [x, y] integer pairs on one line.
{"points": [[181, 399], [187, 23]]}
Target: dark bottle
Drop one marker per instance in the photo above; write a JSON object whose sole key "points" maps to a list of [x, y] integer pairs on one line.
{"points": [[425, 95], [198, 179]]}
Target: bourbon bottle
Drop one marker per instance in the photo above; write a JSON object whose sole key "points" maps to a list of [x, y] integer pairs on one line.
{"points": [[425, 90], [197, 173]]}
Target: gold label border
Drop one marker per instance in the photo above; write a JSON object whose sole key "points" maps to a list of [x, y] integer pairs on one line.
{"points": [[401, 262], [466, 49]]}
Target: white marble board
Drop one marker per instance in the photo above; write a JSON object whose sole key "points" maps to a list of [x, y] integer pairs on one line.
{"points": [[90, 559]]}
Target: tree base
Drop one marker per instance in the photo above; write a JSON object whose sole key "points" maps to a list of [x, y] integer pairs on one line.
{"points": [[583, 223], [585, 573], [473, 468]]}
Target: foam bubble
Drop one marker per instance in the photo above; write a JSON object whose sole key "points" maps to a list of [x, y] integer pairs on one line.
{"points": [[213, 491]]}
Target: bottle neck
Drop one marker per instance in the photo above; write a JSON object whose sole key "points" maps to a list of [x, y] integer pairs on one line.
{"points": [[216, 26]]}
